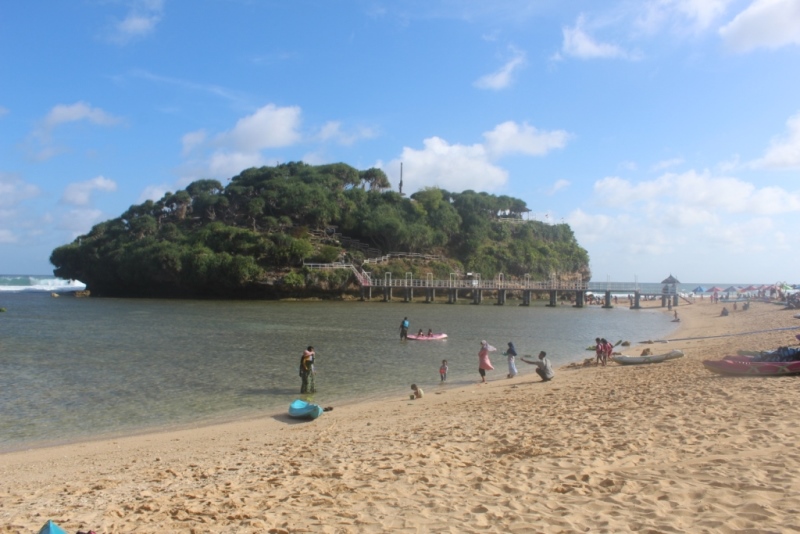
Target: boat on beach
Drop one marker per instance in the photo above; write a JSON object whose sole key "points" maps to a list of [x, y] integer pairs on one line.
{"points": [[425, 337], [742, 365], [300, 409], [782, 361], [650, 358]]}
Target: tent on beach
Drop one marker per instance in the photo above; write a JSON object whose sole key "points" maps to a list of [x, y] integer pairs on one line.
{"points": [[699, 289]]}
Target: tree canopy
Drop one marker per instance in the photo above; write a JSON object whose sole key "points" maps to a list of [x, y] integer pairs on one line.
{"points": [[230, 241]]}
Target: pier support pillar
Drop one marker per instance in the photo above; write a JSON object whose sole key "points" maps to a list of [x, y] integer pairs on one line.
{"points": [[553, 298], [501, 297], [636, 298], [579, 299], [387, 294], [430, 295], [675, 299], [408, 294], [477, 296], [607, 301], [452, 296], [526, 298]]}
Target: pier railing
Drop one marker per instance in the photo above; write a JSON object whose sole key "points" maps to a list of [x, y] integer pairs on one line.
{"points": [[365, 278]]}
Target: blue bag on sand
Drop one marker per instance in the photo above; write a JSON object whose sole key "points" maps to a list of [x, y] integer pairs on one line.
{"points": [[52, 528]]}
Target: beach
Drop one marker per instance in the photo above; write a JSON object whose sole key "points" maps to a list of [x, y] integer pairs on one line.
{"points": [[665, 447]]}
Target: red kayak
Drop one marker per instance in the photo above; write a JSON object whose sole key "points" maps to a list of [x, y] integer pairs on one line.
{"points": [[740, 366], [425, 337]]}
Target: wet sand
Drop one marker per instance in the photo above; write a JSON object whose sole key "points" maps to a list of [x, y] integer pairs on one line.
{"points": [[666, 447]]}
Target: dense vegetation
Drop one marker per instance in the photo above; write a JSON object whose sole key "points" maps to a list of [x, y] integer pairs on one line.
{"points": [[251, 237]]}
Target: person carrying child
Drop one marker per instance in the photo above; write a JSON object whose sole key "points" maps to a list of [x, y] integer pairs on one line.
{"points": [[307, 371]]}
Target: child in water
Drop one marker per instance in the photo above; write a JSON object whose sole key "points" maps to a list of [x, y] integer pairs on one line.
{"points": [[443, 371], [417, 392]]}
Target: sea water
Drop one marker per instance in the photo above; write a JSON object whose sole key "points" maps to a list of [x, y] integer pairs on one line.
{"points": [[74, 369]]}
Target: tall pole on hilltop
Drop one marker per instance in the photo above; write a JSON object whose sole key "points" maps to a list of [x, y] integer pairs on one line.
{"points": [[401, 178]]}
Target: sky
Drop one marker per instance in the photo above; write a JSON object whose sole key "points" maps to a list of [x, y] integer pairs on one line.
{"points": [[666, 133]]}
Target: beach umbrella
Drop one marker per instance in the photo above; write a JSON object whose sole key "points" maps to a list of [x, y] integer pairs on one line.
{"points": [[714, 289], [749, 288], [699, 289], [731, 289]]}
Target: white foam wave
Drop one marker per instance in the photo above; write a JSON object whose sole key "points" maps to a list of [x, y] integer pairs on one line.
{"points": [[50, 284]]}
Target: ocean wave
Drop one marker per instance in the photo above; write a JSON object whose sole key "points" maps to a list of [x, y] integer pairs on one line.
{"points": [[51, 284]]}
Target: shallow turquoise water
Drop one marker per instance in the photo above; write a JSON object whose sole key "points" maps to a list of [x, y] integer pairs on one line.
{"points": [[74, 369]]}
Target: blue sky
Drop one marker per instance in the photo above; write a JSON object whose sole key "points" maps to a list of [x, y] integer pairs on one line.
{"points": [[665, 132]]}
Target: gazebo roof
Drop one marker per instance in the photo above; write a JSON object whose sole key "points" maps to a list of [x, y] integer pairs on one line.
{"points": [[670, 280]]}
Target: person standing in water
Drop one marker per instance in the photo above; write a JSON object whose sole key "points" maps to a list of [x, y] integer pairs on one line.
{"points": [[443, 371], [511, 352], [484, 363], [404, 328], [307, 371]]}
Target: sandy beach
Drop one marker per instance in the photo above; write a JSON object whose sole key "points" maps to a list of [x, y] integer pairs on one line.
{"points": [[666, 447]]}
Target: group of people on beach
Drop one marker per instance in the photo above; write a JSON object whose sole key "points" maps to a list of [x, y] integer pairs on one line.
{"points": [[603, 350], [543, 366]]}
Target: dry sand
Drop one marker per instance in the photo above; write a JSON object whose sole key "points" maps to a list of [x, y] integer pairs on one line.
{"points": [[666, 447]]}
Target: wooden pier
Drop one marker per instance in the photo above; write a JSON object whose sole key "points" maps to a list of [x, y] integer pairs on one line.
{"points": [[474, 288]]}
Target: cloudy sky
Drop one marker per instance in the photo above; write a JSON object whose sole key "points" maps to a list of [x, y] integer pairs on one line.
{"points": [[665, 132]]}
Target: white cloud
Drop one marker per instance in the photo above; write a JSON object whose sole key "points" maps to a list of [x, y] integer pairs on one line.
{"points": [[700, 191], [269, 127], [451, 167], [7, 236], [79, 111], [666, 164], [764, 23], [502, 78], [458, 167], [558, 186], [140, 21], [13, 190], [64, 114], [225, 164], [154, 192], [332, 131], [80, 221], [695, 15], [3, 111], [79, 193], [192, 140], [672, 237], [512, 138], [783, 152], [579, 44]]}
